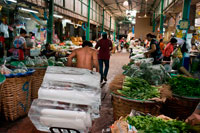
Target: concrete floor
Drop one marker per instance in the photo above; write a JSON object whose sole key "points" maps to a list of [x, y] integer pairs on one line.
{"points": [[24, 125]]}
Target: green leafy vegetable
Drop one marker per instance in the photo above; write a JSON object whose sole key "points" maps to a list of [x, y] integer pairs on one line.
{"points": [[148, 124], [185, 86], [138, 89]]}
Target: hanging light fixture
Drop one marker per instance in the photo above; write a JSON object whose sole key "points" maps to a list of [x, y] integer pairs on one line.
{"points": [[27, 10], [125, 3]]}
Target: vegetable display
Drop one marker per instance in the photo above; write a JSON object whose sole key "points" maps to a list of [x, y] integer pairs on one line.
{"points": [[185, 86], [149, 124], [137, 88]]}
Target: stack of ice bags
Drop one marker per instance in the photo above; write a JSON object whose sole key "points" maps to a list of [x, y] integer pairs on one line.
{"points": [[73, 86]]}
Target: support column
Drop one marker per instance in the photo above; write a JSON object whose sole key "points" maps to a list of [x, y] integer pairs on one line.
{"points": [[118, 31], [192, 17], [114, 36], [154, 22], [88, 23], [110, 25], [161, 18], [50, 22], [102, 21], [186, 12]]}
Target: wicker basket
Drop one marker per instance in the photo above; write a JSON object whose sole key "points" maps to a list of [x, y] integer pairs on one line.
{"points": [[16, 97], [37, 80], [180, 107], [1, 86], [122, 106]]}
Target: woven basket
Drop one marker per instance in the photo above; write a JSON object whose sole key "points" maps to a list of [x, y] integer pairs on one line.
{"points": [[16, 97], [180, 107], [122, 106], [37, 80], [1, 86]]}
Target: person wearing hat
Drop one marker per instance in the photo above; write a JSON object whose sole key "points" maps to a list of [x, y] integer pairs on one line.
{"points": [[105, 47]]}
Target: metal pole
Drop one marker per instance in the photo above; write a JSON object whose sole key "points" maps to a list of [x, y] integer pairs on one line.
{"points": [[186, 9], [161, 17], [115, 32], [154, 22], [50, 22], [110, 24], [118, 31], [88, 23], [102, 21], [186, 13]]}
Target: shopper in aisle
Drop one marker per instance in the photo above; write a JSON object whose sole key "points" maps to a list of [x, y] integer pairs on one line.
{"points": [[19, 46], [132, 45], [106, 47], [154, 50], [2, 44], [86, 57], [194, 119], [122, 43], [193, 41], [169, 49]]}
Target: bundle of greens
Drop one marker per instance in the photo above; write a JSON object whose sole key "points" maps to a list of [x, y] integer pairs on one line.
{"points": [[148, 124], [185, 86], [137, 88]]}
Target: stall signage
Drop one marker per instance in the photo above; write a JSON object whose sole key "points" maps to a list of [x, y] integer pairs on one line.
{"points": [[184, 24]]}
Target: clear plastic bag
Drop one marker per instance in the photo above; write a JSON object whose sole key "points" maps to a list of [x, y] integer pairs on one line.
{"points": [[45, 61], [29, 62], [4, 70], [38, 62], [21, 65], [72, 85], [46, 113]]}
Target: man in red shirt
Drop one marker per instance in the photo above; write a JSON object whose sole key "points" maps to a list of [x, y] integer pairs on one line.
{"points": [[169, 49], [104, 55]]}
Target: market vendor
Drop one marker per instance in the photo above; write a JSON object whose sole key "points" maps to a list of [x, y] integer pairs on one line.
{"points": [[194, 119], [169, 49], [154, 50], [19, 46], [48, 52], [86, 57]]}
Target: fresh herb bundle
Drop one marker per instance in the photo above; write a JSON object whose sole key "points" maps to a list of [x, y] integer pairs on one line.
{"points": [[185, 86], [148, 124], [137, 88]]}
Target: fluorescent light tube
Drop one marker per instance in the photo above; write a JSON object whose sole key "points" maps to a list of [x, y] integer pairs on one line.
{"points": [[14, 1], [28, 10], [57, 16]]}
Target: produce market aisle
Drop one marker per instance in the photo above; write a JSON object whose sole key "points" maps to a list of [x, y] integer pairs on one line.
{"points": [[117, 61]]}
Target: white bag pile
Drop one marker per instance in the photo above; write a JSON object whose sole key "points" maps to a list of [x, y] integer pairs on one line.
{"points": [[68, 98]]}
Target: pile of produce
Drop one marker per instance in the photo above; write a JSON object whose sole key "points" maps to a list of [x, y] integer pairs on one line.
{"points": [[185, 86], [153, 74], [137, 88], [149, 124]]}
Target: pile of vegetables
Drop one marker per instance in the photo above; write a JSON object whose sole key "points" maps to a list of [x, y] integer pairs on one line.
{"points": [[148, 124], [185, 86], [137, 88]]}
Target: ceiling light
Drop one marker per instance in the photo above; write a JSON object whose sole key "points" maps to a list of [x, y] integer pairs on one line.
{"points": [[145, 15], [125, 3], [67, 21], [57, 16], [14, 1], [28, 10]]}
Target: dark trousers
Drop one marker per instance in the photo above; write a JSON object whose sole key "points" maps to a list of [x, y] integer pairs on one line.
{"points": [[105, 72]]}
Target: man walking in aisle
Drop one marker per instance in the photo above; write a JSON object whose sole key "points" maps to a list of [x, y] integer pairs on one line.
{"points": [[106, 47], [86, 57]]}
